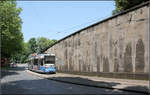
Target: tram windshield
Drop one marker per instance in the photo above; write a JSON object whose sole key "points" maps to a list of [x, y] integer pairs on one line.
{"points": [[49, 59], [35, 61]]}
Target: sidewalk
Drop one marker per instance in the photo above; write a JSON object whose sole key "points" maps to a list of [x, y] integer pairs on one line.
{"points": [[141, 86]]}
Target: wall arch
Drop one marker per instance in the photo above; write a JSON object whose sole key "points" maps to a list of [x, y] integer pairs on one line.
{"points": [[139, 60], [128, 66]]}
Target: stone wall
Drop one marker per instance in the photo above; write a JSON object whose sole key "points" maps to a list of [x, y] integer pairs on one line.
{"points": [[117, 45]]}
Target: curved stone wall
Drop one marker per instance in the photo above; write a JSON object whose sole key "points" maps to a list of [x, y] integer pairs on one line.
{"points": [[117, 45]]}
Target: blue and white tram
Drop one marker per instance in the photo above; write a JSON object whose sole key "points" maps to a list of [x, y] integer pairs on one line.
{"points": [[42, 63]]}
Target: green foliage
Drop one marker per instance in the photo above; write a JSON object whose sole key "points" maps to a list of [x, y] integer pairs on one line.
{"points": [[32, 45], [115, 12], [43, 43], [10, 26], [122, 5], [22, 56], [26, 52], [36, 45], [12, 44]]}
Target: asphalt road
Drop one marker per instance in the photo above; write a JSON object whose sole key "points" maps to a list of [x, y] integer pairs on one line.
{"points": [[18, 81]]}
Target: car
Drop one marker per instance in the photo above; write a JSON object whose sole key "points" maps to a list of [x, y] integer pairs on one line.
{"points": [[13, 64]]}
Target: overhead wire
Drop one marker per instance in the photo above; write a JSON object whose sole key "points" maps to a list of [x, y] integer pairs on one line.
{"points": [[72, 29], [79, 26]]}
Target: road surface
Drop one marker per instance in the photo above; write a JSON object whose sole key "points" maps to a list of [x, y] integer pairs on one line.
{"points": [[18, 81]]}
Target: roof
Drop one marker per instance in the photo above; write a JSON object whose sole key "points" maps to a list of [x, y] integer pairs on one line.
{"points": [[40, 56], [124, 12]]}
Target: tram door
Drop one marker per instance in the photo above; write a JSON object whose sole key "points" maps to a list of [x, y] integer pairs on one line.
{"points": [[39, 63]]}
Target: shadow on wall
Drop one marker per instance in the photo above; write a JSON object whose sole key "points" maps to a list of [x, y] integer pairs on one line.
{"points": [[105, 64], [139, 60], [128, 59]]}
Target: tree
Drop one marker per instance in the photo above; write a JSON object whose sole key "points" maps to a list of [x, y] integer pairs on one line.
{"points": [[32, 45], [52, 42], [25, 53], [10, 27], [43, 43], [22, 57], [122, 5], [38, 44]]}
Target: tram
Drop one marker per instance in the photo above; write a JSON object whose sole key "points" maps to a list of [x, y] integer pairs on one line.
{"points": [[42, 63]]}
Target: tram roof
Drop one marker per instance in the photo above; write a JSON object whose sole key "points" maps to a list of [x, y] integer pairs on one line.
{"points": [[45, 54], [40, 56]]}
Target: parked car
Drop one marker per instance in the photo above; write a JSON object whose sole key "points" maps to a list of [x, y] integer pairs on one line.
{"points": [[13, 64]]}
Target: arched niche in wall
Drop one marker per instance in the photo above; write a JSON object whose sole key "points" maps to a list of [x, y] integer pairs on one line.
{"points": [[128, 66], [139, 60], [105, 64]]}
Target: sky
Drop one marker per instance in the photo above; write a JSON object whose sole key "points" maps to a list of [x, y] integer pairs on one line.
{"points": [[57, 19]]}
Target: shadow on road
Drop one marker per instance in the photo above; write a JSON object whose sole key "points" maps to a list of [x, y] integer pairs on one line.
{"points": [[41, 86], [11, 71], [139, 88], [30, 84], [100, 84], [84, 81], [5, 73]]}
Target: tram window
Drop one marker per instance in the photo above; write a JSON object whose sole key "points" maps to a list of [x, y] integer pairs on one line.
{"points": [[35, 62], [48, 62], [49, 59]]}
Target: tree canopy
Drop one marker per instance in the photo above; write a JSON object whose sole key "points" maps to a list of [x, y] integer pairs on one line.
{"points": [[12, 42], [10, 26], [43, 43], [122, 5], [32, 45]]}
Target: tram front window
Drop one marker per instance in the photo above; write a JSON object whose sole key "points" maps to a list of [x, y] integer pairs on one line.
{"points": [[50, 60], [35, 61]]}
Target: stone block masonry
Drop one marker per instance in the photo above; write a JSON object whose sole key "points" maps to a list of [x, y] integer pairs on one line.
{"points": [[115, 47]]}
